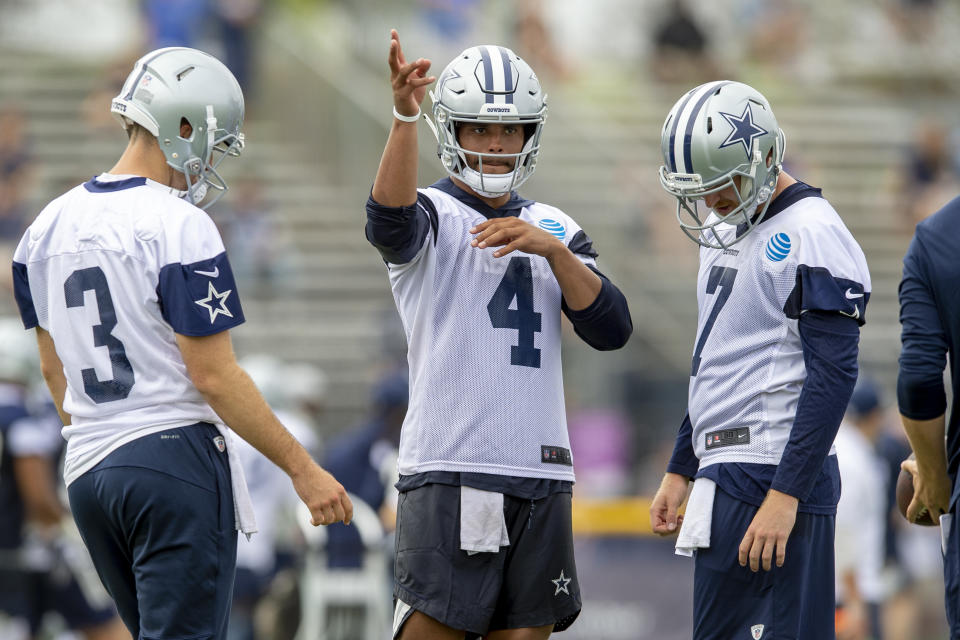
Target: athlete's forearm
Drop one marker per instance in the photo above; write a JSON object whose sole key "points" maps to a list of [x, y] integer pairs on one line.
{"points": [[35, 480], [396, 181], [238, 402], [928, 444], [52, 370], [579, 285]]}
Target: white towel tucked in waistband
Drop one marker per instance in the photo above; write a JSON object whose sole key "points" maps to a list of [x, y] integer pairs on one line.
{"points": [[482, 525], [695, 530], [244, 519]]}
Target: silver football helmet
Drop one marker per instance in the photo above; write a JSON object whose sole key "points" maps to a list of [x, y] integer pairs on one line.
{"points": [[488, 84], [170, 85], [716, 136]]}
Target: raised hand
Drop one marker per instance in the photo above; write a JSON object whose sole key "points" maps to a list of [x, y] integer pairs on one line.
{"points": [[409, 80]]}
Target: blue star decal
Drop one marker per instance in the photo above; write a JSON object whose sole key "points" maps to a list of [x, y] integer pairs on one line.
{"points": [[215, 308], [561, 584], [744, 130]]}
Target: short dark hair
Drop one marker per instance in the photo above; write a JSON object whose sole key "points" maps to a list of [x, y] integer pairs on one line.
{"points": [[135, 130]]}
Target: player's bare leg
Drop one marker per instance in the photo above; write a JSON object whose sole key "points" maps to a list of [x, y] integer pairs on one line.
{"points": [[420, 626], [528, 633]]}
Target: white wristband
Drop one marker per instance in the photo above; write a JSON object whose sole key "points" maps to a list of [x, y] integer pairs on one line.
{"points": [[402, 118]]}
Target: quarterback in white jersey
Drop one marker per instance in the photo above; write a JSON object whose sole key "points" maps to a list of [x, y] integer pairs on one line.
{"points": [[128, 286], [781, 294], [481, 277]]}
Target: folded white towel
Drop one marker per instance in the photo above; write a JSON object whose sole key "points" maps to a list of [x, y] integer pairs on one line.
{"points": [[244, 519], [482, 525], [695, 530]]}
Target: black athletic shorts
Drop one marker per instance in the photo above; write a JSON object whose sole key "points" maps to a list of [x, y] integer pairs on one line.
{"points": [[530, 583]]}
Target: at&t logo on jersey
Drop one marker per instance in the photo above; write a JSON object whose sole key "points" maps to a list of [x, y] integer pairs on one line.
{"points": [[778, 247], [553, 227]]}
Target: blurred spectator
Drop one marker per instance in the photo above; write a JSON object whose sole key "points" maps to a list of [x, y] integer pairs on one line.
{"points": [[535, 42], [931, 177], [175, 23], [862, 515], [364, 460], [778, 32], [238, 20], [16, 171], [680, 48], [261, 257]]}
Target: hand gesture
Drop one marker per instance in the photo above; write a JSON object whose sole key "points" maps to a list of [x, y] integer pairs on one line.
{"points": [[409, 80], [929, 494], [514, 234], [324, 496], [663, 510], [768, 532]]}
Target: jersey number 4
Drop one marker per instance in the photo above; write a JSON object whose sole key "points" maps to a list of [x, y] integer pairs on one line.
{"points": [[720, 278], [79, 282], [517, 283]]}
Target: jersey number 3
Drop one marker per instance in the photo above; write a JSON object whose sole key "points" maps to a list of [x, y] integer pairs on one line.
{"points": [[119, 387], [517, 283], [720, 278]]}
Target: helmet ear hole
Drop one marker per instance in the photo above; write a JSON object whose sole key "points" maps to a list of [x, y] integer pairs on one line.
{"points": [[186, 129]]}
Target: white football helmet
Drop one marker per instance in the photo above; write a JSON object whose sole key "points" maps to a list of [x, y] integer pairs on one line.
{"points": [[488, 84], [713, 134], [174, 84]]}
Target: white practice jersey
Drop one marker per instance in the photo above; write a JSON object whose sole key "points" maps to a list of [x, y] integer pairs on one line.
{"points": [[111, 270], [748, 368], [483, 334]]}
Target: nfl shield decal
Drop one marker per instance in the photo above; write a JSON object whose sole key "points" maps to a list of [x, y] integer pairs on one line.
{"points": [[756, 631]]}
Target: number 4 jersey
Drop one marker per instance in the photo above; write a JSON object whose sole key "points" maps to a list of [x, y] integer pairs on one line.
{"points": [[112, 269], [748, 366], [483, 335]]}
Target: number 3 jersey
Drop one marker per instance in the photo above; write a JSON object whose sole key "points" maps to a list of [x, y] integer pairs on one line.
{"points": [[112, 269], [483, 335], [748, 366]]}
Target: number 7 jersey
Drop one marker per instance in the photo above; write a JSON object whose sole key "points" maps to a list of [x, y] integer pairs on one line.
{"points": [[748, 367], [112, 269], [483, 334]]}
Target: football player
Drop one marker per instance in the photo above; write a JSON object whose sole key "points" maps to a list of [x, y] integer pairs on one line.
{"points": [[930, 338], [481, 277], [43, 568], [127, 284], [781, 292]]}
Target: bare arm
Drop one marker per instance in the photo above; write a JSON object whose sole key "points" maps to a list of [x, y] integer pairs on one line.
{"points": [[396, 181], [228, 389], [35, 481], [52, 370]]}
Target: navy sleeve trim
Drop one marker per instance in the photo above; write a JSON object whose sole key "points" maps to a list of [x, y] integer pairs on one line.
{"points": [[199, 299], [684, 461], [605, 324], [398, 233], [923, 353], [21, 292], [816, 289], [830, 345], [583, 245]]}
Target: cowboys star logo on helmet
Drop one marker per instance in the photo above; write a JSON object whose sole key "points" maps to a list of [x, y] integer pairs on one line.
{"points": [[484, 85], [721, 134]]}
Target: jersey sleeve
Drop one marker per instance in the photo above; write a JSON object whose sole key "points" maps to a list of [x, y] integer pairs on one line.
{"points": [[831, 272], [196, 288], [21, 285]]}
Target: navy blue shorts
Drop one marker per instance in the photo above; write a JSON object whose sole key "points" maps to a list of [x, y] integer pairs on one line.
{"points": [[795, 601], [530, 583], [157, 516]]}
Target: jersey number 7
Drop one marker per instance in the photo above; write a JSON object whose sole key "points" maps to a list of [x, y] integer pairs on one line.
{"points": [[720, 278]]}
